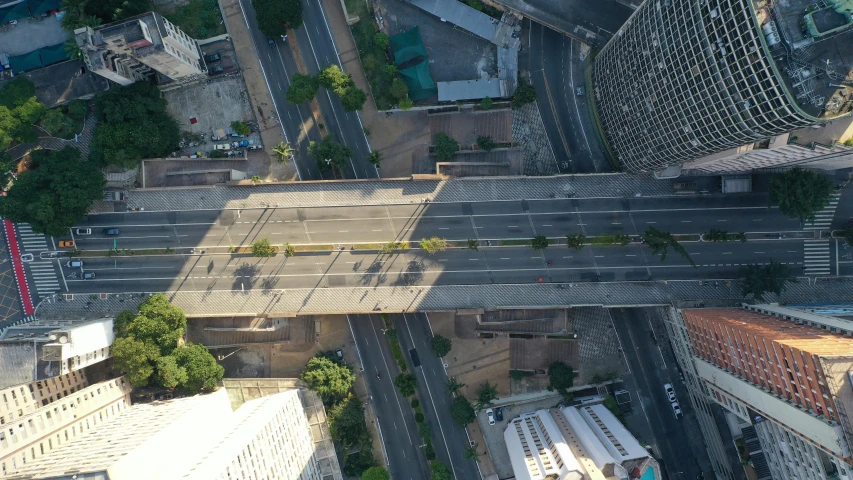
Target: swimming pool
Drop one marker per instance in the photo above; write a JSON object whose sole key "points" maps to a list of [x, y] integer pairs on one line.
{"points": [[649, 474]]}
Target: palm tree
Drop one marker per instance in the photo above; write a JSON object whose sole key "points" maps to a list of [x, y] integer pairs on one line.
{"points": [[256, 179], [471, 453], [453, 386], [72, 49], [284, 151]]}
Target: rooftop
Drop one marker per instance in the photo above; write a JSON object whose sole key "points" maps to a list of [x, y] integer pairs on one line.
{"points": [[812, 47]]}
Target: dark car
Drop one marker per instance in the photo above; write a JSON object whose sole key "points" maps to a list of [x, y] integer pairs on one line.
{"points": [[215, 70], [271, 42], [212, 58], [111, 231], [89, 275], [499, 414]]}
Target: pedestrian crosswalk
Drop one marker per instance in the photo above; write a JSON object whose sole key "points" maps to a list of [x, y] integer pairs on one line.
{"points": [[30, 241], [816, 260], [44, 275], [823, 218]]}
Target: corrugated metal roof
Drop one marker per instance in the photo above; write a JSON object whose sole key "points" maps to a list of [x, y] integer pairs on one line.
{"points": [[469, 89]]}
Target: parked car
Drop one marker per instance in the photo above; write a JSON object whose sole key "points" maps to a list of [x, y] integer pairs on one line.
{"points": [[82, 231], [66, 244], [491, 416], [240, 144], [670, 393], [499, 414], [74, 264], [88, 275], [212, 58], [215, 70], [111, 231], [677, 409]]}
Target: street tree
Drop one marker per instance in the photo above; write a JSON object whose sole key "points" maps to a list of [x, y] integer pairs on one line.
{"points": [[203, 373], [57, 123], [376, 473], [406, 383], [328, 153], [660, 242], [441, 345], [156, 332], [332, 382], [303, 88], [353, 99], [761, 279], [462, 411], [433, 245], [283, 151], [453, 386], [524, 94], [471, 453], [445, 146], [486, 143], [800, 193], [473, 244], [375, 158], [346, 421], [610, 239], [135, 359], [439, 471], [56, 194], [169, 374], [263, 248], [275, 17], [19, 111], [335, 79], [122, 321], [486, 394], [158, 306], [539, 242], [575, 241], [562, 377]]}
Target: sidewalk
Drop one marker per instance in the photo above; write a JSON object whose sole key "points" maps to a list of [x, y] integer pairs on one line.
{"points": [[396, 136], [259, 94]]}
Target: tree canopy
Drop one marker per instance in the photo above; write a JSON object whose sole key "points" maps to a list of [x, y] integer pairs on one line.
{"points": [[341, 83], [406, 382], [203, 373], [562, 377], [539, 242], [524, 94], [328, 149], [276, 16], [19, 111], [56, 194], [660, 242], [761, 279], [486, 393], [303, 88], [132, 125], [445, 146], [331, 381], [441, 345], [263, 248], [376, 473], [800, 193], [135, 358], [433, 244], [80, 13], [439, 471], [346, 421], [462, 411], [575, 240]]}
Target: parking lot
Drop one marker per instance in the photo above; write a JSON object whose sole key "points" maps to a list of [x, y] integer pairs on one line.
{"points": [[31, 34]]}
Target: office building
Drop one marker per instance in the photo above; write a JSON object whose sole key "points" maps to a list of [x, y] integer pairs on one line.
{"points": [[573, 443], [45, 349], [145, 47], [783, 373], [96, 433], [684, 79]]}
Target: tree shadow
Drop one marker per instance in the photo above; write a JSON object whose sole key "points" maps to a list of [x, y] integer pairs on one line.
{"points": [[245, 276], [373, 272], [413, 275]]}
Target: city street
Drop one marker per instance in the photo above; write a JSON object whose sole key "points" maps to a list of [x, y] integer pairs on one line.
{"points": [[579, 18], [676, 441], [400, 436]]}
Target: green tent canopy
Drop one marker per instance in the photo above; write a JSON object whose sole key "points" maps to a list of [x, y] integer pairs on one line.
{"points": [[14, 12], [25, 62], [419, 81], [53, 54], [407, 45]]}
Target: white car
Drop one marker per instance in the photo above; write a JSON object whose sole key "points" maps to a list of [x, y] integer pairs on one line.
{"points": [[82, 231], [676, 409], [670, 393], [491, 415]]}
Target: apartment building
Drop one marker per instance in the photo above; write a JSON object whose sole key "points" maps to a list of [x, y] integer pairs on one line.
{"points": [[145, 47], [41, 350], [22, 400], [784, 373]]}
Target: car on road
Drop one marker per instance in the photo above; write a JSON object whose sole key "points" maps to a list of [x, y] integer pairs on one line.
{"points": [[215, 57], [271, 42], [499, 414], [74, 264], [580, 91], [89, 275], [676, 408], [82, 231], [66, 244], [670, 393], [111, 231], [490, 414], [27, 257]]}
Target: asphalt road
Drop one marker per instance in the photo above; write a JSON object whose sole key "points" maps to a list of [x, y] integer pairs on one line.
{"points": [[602, 18], [649, 372], [449, 439], [556, 72], [278, 64], [400, 435]]}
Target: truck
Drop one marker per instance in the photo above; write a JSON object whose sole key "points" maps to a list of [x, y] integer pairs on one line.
{"points": [[222, 146]]}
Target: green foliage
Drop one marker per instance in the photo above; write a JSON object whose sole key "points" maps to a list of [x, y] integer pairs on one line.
{"points": [[93, 13], [519, 374], [660, 243], [406, 383], [276, 16], [263, 248], [134, 358], [716, 235], [406, 104], [56, 194], [283, 151], [761, 279], [19, 111], [415, 403], [353, 99], [849, 142], [433, 245], [800, 193], [429, 451], [486, 394], [381, 40], [562, 377], [169, 374], [376, 473], [399, 90], [539, 242], [122, 321], [486, 143], [486, 103], [396, 350], [57, 123], [346, 421], [390, 69], [216, 154], [375, 158], [445, 146], [611, 404], [156, 332], [335, 79], [471, 453], [462, 411], [303, 88], [77, 109], [473, 244], [441, 345], [336, 153], [203, 373], [332, 382], [439, 471], [157, 306], [132, 124], [453, 386], [575, 241], [419, 416], [240, 128], [198, 18], [524, 94], [608, 239]]}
